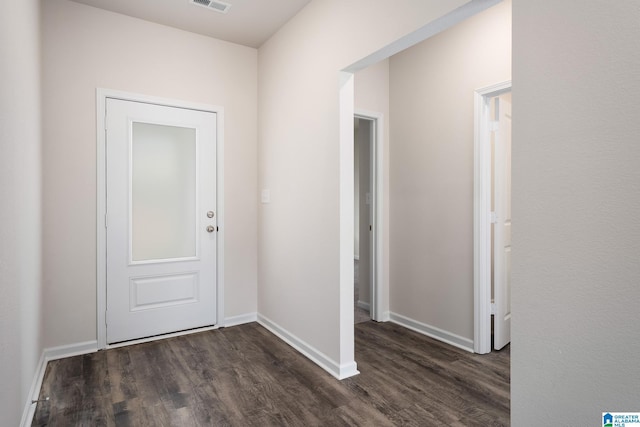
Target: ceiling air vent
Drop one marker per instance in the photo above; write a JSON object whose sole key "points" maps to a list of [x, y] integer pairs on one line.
{"points": [[216, 5]]}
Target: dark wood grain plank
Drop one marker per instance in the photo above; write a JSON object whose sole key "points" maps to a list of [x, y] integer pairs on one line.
{"points": [[245, 376]]}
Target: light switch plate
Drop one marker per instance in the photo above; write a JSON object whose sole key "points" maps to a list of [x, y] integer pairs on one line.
{"points": [[265, 196]]}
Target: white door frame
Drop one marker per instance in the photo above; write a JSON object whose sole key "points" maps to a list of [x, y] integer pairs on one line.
{"points": [[101, 178], [376, 244], [482, 217]]}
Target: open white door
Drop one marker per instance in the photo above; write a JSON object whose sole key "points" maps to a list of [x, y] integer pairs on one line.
{"points": [[502, 234], [161, 219]]}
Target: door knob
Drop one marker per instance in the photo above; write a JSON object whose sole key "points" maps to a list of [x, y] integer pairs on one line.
{"points": [[210, 228], [210, 214]]}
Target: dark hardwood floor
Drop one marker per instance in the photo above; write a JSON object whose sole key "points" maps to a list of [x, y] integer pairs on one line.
{"points": [[245, 376]]}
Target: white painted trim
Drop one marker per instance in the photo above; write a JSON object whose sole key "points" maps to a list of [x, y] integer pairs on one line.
{"points": [[101, 224], [101, 235], [49, 354], [34, 392], [325, 362], [377, 200], [240, 319], [346, 336], [220, 223], [482, 218], [162, 337], [77, 349], [364, 305], [433, 332], [452, 18]]}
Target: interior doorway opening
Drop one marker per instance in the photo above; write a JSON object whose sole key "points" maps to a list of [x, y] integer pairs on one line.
{"points": [[363, 133], [346, 114], [367, 216], [492, 218]]}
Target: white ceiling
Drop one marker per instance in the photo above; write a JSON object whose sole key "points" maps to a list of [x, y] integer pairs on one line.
{"points": [[248, 22]]}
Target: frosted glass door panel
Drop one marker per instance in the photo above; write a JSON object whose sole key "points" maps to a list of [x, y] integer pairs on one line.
{"points": [[163, 192]]}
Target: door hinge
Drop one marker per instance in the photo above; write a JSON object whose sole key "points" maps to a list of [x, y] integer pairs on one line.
{"points": [[493, 126], [494, 218], [493, 308], [105, 220]]}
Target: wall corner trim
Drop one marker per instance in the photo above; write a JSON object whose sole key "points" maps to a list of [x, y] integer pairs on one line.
{"points": [[240, 319], [339, 371], [364, 305], [77, 349], [30, 408], [433, 332], [49, 354]]}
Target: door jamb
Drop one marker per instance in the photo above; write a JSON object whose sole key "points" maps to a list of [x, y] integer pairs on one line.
{"points": [[101, 206], [482, 217], [375, 307]]}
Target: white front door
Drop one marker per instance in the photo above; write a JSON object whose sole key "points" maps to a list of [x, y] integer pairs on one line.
{"points": [[502, 233], [161, 219]]}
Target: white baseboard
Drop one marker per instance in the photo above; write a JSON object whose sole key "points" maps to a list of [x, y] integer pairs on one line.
{"points": [[433, 332], [240, 320], [34, 391], [54, 353], [363, 305], [340, 371], [49, 354], [385, 316]]}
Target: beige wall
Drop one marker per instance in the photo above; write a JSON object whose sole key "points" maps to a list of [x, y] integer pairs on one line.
{"points": [[576, 198], [87, 48], [299, 231], [431, 153], [20, 242]]}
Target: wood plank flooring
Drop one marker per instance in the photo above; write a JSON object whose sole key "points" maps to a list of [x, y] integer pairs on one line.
{"points": [[245, 376]]}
